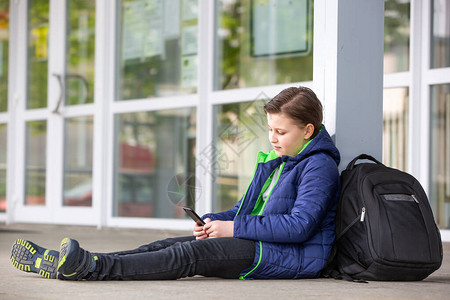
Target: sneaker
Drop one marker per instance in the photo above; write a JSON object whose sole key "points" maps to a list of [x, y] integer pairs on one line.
{"points": [[75, 263], [29, 257]]}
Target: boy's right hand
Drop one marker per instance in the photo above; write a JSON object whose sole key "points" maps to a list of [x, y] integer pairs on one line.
{"points": [[199, 232]]}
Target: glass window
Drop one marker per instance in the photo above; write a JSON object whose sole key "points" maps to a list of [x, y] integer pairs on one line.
{"points": [[78, 161], [396, 35], [158, 48], [4, 54], [80, 52], [440, 34], [3, 161], [35, 162], [263, 42], [155, 163], [440, 154], [240, 133], [395, 127], [38, 14]]}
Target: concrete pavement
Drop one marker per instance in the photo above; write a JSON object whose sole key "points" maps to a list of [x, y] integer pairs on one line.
{"points": [[15, 284]]}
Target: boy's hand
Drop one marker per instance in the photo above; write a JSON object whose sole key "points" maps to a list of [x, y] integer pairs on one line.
{"points": [[199, 231], [216, 229]]}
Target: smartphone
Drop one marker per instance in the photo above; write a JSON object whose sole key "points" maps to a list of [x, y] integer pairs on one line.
{"points": [[191, 213]]}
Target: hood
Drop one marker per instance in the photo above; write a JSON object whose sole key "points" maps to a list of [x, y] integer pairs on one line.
{"points": [[321, 143]]}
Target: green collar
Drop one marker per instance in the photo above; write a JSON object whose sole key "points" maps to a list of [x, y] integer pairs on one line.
{"points": [[304, 146]]}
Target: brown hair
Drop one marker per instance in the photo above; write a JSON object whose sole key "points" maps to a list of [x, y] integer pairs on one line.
{"points": [[300, 104]]}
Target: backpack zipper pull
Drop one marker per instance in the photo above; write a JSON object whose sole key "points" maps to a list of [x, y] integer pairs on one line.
{"points": [[415, 199], [363, 214]]}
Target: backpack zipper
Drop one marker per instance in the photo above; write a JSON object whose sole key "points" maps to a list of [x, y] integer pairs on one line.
{"points": [[363, 214], [360, 218]]}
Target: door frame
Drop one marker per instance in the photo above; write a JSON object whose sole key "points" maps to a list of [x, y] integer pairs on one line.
{"points": [[53, 211]]}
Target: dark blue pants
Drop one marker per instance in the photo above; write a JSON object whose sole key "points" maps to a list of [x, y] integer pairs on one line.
{"points": [[175, 258]]}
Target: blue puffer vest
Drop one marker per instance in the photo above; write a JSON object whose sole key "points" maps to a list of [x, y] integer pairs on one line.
{"points": [[295, 231]]}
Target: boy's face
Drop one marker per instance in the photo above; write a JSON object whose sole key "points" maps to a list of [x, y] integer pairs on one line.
{"points": [[285, 136]]}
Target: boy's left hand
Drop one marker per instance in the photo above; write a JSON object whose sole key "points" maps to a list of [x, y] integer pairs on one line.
{"points": [[216, 229]]}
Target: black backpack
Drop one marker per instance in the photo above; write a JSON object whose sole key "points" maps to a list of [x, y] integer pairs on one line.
{"points": [[385, 228]]}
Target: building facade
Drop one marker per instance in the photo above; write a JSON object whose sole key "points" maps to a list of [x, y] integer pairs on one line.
{"points": [[118, 113]]}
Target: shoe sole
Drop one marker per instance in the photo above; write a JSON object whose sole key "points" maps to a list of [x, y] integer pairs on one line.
{"points": [[29, 257]]}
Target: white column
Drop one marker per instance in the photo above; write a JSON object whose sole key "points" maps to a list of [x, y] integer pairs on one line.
{"points": [[205, 118], [14, 98], [106, 18], [348, 73]]}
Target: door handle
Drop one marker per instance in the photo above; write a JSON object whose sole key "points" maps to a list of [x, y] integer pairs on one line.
{"points": [[84, 84], [61, 94]]}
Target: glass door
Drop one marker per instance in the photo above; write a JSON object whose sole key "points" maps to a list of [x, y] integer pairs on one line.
{"points": [[76, 113], [31, 200], [58, 113]]}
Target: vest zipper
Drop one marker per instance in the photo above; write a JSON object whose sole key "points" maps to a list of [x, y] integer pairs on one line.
{"points": [[260, 243], [259, 261], [268, 196]]}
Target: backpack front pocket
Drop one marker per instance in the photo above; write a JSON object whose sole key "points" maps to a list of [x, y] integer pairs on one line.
{"points": [[402, 229]]}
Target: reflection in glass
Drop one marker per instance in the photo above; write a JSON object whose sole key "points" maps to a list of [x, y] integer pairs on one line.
{"points": [[155, 163], [263, 42], [35, 162], [38, 11], [396, 35], [4, 54], [78, 161], [158, 48], [3, 136], [240, 133], [440, 154], [395, 127], [80, 52], [440, 34]]}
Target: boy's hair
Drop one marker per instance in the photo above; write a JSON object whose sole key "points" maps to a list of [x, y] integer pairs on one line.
{"points": [[300, 104]]}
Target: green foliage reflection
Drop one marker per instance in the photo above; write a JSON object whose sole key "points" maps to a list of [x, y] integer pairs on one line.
{"points": [[237, 68], [38, 22], [4, 57]]}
